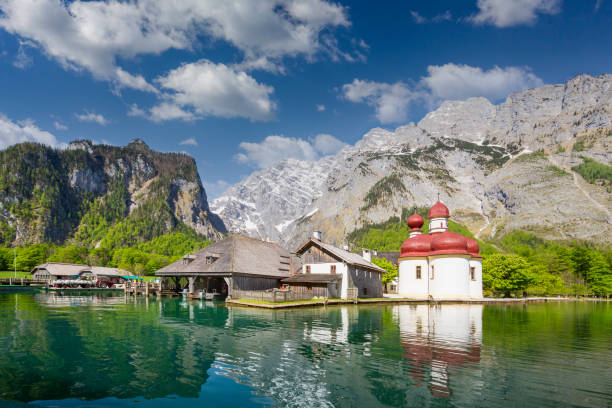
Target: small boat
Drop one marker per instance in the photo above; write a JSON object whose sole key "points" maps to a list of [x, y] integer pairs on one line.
{"points": [[214, 295]]}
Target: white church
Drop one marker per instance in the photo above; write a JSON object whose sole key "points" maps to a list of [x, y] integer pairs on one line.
{"points": [[440, 264]]}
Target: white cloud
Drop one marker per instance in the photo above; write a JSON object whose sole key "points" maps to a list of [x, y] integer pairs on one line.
{"points": [[458, 82], [134, 81], [446, 16], [60, 126], [213, 89], [260, 64], [25, 131], [598, 5], [507, 13], [320, 108], [419, 19], [278, 147], [23, 60], [190, 141], [326, 144], [136, 111], [92, 117], [168, 111], [93, 35], [445, 82], [391, 101]]}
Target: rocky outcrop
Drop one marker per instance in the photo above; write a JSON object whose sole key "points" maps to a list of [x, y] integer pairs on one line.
{"points": [[476, 156], [52, 190]]}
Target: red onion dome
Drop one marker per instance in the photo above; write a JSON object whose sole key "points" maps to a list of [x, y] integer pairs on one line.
{"points": [[472, 247], [438, 210], [415, 221], [448, 243], [416, 246]]}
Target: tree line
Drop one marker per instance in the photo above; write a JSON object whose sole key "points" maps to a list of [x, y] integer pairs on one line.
{"points": [[142, 259]]}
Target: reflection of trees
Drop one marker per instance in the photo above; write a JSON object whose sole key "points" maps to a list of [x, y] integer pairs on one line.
{"points": [[91, 353], [565, 347]]}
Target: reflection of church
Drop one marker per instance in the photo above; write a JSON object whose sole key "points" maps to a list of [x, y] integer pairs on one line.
{"points": [[438, 338], [440, 264]]}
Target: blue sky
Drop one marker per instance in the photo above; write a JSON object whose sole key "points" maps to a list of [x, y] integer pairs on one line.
{"points": [[241, 85]]}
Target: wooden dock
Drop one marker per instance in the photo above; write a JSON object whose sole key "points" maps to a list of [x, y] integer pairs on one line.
{"points": [[148, 289], [21, 282]]}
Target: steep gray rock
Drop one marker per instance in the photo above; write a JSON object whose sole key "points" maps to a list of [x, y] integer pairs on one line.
{"points": [[475, 155]]}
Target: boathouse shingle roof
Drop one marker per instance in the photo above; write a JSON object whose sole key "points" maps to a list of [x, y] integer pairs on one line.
{"points": [[68, 269], [60, 268], [235, 254], [349, 257]]}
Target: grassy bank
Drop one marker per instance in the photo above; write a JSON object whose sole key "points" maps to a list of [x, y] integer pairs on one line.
{"points": [[11, 274]]}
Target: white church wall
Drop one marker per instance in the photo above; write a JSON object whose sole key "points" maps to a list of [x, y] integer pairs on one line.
{"points": [[438, 225], [476, 283], [409, 285], [451, 278]]}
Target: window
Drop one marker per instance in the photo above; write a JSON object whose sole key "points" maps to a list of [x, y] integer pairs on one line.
{"points": [[473, 273], [432, 272], [418, 272], [307, 268], [332, 269], [365, 291]]}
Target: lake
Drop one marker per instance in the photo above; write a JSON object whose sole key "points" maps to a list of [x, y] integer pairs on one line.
{"points": [[108, 350]]}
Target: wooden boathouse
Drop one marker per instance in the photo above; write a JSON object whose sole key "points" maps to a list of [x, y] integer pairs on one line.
{"points": [[237, 266], [328, 271]]}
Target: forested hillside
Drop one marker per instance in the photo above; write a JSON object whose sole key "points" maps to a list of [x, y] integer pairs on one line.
{"points": [[100, 196], [517, 263]]}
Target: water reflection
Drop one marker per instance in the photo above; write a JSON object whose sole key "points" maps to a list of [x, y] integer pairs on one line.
{"points": [[436, 338], [61, 349]]}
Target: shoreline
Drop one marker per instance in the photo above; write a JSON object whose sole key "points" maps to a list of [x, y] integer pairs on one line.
{"points": [[322, 302]]}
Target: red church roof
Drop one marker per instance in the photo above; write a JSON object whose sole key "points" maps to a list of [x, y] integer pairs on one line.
{"points": [[438, 210], [448, 243], [415, 221], [439, 243], [416, 246]]}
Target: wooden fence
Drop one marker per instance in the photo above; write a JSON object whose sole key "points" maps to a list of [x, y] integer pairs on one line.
{"points": [[21, 282], [273, 296]]}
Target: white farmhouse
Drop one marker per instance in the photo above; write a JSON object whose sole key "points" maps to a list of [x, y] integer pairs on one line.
{"points": [[331, 272], [440, 264]]}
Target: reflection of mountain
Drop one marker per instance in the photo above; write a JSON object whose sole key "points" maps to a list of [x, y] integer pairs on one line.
{"points": [[437, 338], [95, 353]]}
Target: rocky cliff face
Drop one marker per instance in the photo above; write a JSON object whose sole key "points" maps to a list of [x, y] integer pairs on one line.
{"points": [[477, 156], [77, 193]]}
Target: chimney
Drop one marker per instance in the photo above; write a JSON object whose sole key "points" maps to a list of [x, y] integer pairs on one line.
{"points": [[316, 235], [367, 255]]}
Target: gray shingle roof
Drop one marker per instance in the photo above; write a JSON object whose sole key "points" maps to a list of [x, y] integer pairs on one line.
{"points": [[64, 269], [345, 256], [235, 254], [60, 268]]}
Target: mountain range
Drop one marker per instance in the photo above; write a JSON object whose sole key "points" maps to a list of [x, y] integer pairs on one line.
{"points": [[538, 162], [497, 167]]}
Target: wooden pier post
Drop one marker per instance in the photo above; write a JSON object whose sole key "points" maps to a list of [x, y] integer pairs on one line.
{"points": [[191, 284], [147, 289]]}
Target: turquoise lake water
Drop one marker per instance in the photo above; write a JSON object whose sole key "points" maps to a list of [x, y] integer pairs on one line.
{"points": [[98, 351]]}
